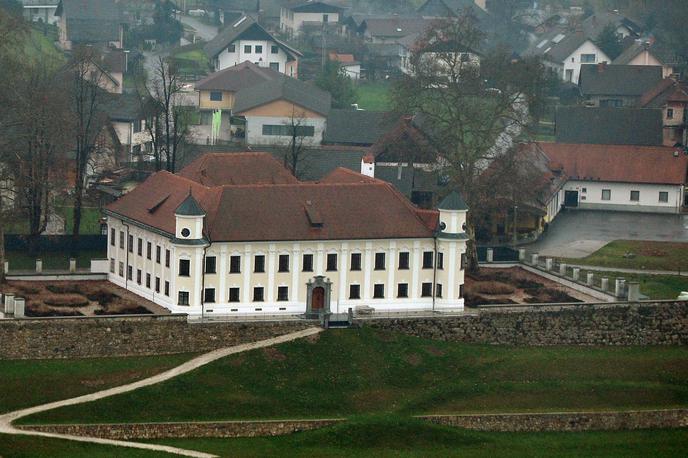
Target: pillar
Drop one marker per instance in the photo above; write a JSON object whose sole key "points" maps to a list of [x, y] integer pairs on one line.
{"points": [[72, 265], [633, 291], [591, 279], [549, 262], [39, 265], [19, 304], [619, 287], [521, 254], [604, 284], [7, 267], [576, 273], [490, 255], [562, 269], [535, 259], [9, 303]]}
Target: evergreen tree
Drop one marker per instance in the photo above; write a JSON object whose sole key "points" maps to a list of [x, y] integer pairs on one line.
{"points": [[333, 80], [609, 41]]}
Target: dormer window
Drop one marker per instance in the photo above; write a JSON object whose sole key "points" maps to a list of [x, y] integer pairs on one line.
{"points": [[186, 232]]}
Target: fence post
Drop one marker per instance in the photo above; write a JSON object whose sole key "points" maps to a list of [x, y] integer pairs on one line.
{"points": [[633, 291], [591, 279], [549, 262], [521, 254], [535, 258], [576, 273], [619, 289], [6, 267], [39, 265], [604, 284], [72, 265], [19, 304], [9, 303], [562, 269], [490, 255]]}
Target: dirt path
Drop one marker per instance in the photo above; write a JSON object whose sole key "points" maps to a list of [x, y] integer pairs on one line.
{"points": [[7, 419]]}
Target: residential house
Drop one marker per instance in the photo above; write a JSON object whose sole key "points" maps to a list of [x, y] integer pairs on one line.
{"points": [[246, 40], [671, 97], [649, 179], [564, 52], [218, 92], [127, 115], [40, 10], [310, 15], [603, 85], [89, 22], [452, 8], [348, 64], [266, 248], [649, 52], [594, 24], [279, 110], [388, 30], [609, 126]]}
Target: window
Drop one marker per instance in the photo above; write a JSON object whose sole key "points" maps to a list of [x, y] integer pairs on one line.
{"points": [[663, 196], [130, 273], [283, 263], [404, 260], [332, 262], [148, 281], [157, 284], [136, 125], [209, 295], [259, 263], [167, 258], [121, 269], [438, 290], [670, 113], [606, 194], [440, 261], [138, 276], [460, 291], [186, 232], [584, 190], [139, 247], [274, 66], [379, 261], [184, 267], [463, 261], [355, 261], [234, 264], [611, 103], [210, 264], [354, 291], [325, 18], [426, 290], [588, 58], [233, 294], [308, 263], [635, 196], [130, 244], [427, 259], [167, 288], [259, 49], [183, 298], [231, 48], [286, 131], [112, 237], [112, 266], [247, 49], [158, 251], [569, 75], [402, 290], [282, 293], [121, 239], [274, 49], [379, 291], [216, 96], [258, 294], [149, 250]]}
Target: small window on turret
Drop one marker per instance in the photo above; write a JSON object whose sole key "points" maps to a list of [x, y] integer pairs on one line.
{"points": [[186, 232]]}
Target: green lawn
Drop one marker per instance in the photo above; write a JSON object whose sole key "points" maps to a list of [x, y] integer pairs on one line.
{"points": [[41, 49], [33, 447], [646, 256], [90, 221], [52, 260], [390, 437], [28, 383], [353, 372], [652, 286], [374, 96]]}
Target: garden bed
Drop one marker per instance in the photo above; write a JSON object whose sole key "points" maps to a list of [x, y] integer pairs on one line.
{"points": [[79, 298], [516, 286]]}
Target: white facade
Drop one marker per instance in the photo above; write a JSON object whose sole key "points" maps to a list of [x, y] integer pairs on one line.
{"points": [[255, 130], [291, 22], [41, 13], [264, 53], [133, 136], [587, 53], [618, 196]]}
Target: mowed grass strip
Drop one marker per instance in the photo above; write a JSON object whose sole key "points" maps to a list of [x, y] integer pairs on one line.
{"points": [[348, 372], [34, 447], [672, 256], [28, 383], [653, 286], [401, 438]]}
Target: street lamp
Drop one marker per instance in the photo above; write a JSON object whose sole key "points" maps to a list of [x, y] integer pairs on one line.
{"points": [[515, 226]]}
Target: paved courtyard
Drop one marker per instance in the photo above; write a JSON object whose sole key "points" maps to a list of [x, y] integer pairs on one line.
{"points": [[578, 233]]}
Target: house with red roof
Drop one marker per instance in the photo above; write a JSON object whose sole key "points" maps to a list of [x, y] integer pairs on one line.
{"points": [[672, 97], [236, 234]]}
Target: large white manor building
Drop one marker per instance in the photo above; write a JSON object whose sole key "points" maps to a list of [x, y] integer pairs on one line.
{"points": [[238, 234]]}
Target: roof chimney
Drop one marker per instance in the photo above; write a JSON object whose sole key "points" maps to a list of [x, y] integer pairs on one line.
{"points": [[601, 67], [368, 165]]}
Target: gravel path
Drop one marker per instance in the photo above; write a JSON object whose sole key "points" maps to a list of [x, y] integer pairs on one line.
{"points": [[7, 419]]}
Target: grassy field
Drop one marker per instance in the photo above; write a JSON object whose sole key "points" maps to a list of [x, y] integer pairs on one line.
{"points": [[33, 447], [653, 286], [90, 221], [647, 256], [32, 382], [374, 96], [52, 260], [353, 372]]}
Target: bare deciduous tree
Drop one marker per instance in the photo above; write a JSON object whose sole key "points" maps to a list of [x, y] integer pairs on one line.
{"points": [[471, 110], [295, 151]]}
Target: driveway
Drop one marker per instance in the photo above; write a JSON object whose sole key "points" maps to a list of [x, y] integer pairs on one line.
{"points": [[578, 233], [205, 31]]}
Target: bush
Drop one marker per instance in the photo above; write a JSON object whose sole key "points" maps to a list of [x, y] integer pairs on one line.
{"points": [[64, 289], [548, 295], [102, 297], [492, 287], [138, 310], [66, 300]]}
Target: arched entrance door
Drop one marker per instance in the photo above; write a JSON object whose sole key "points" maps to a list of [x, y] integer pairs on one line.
{"points": [[318, 299]]}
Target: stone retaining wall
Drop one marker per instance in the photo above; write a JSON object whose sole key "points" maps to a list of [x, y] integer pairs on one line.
{"points": [[90, 337], [660, 323], [574, 421], [184, 430]]}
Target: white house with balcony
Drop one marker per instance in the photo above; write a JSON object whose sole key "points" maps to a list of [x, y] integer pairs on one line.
{"points": [[315, 15]]}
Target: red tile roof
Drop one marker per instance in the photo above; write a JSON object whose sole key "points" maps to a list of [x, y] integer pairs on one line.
{"points": [[619, 163], [358, 209], [218, 169]]}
